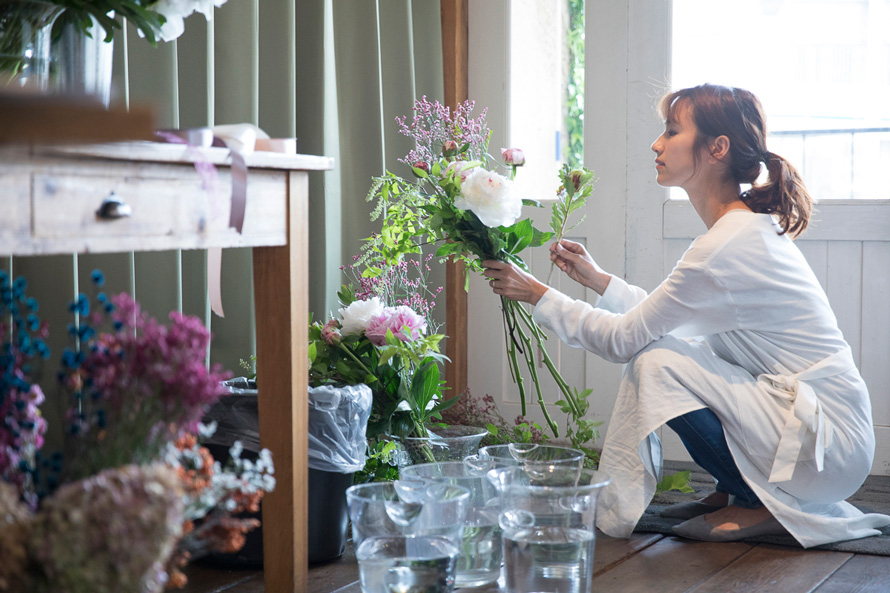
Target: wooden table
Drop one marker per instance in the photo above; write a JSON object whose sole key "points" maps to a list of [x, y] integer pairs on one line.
{"points": [[50, 199]]}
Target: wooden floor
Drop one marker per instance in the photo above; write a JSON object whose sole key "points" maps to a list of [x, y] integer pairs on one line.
{"points": [[645, 563]]}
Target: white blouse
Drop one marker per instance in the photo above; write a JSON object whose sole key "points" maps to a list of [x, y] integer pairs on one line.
{"points": [[799, 421]]}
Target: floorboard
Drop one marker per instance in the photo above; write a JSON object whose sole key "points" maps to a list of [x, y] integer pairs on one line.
{"points": [[655, 567], [773, 568], [861, 574], [641, 564]]}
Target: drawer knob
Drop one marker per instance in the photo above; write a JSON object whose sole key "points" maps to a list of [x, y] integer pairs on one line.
{"points": [[113, 208]]}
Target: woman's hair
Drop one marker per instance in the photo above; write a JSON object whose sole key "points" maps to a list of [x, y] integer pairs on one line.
{"points": [[737, 114]]}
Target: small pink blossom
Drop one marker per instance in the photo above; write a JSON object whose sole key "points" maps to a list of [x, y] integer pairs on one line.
{"points": [[513, 157], [450, 148], [405, 324]]}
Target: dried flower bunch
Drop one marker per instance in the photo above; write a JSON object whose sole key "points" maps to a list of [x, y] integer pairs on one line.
{"points": [[136, 388], [107, 516], [214, 497]]}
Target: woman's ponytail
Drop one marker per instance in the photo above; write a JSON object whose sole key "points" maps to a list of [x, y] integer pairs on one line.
{"points": [[783, 194]]}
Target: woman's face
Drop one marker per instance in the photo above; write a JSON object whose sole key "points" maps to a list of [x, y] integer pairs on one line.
{"points": [[675, 163]]}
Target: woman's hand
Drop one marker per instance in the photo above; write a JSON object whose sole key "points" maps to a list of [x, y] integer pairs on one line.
{"points": [[508, 280], [573, 259]]}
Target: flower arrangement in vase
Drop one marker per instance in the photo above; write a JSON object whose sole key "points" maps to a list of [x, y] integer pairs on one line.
{"points": [[108, 515]]}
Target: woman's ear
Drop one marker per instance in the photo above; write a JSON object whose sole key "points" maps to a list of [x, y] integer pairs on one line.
{"points": [[719, 148]]}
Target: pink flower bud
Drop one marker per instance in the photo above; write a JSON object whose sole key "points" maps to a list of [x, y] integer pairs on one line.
{"points": [[458, 168], [422, 165], [450, 148], [331, 332], [513, 157]]}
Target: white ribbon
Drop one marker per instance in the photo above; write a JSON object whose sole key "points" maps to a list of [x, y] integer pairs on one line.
{"points": [[241, 140], [805, 412]]}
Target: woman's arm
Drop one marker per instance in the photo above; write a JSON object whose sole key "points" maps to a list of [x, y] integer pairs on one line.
{"points": [[690, 302]]}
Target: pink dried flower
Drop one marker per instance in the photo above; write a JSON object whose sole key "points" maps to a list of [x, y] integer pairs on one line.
{"points": [[405, 324], [434, 124], [145, 385]]}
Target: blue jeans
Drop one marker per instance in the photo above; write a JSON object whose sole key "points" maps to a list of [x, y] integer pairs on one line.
{"points": [[702, 434]]}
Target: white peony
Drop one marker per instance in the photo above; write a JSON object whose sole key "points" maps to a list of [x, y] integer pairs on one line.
{"points": [[354, 319], [488, 196], [175, 11]]}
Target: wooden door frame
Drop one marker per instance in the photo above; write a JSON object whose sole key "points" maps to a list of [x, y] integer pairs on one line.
{"points": [[455, 47]]}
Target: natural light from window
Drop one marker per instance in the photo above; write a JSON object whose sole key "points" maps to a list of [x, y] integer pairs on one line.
{"points": [[542, 68], [821, 69]]}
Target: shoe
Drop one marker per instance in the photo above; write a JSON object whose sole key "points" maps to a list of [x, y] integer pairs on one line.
{"points": [[688, 510], [698, 528]]}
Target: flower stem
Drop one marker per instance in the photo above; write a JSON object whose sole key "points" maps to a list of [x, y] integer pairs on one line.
{"points": [[508, 313], [355, 358], [530, 361], [563, 386]]}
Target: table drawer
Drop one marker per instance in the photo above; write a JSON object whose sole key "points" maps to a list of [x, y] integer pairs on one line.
{"points": [[66, 205]]}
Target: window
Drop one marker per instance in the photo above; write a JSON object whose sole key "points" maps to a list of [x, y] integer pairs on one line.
{"points": [[546, 82], [821, 69]]}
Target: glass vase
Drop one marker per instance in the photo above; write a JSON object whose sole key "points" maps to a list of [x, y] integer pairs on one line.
{"points": [[82, 63], [25, 42], [450, 443]]}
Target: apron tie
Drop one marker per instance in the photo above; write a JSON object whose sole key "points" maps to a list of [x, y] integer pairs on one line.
{"points": [[805, 414]]}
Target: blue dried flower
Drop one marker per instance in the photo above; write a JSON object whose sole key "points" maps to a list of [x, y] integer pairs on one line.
{"points": [[98, 278]]}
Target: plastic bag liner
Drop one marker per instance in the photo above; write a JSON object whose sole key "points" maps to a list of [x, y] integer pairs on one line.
{"points": [[236, 416], [338, 420]]}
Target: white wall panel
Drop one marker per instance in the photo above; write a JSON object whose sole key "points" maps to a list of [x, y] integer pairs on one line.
{"points": [[875, 357], [844, 289]]}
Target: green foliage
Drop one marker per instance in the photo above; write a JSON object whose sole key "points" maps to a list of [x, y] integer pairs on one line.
{"points": [[137, 13], [580, 431], [382, 464], [678, 481], [249, 367], [524, 432]]}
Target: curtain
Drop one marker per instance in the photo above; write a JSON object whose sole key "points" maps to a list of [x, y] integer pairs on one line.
{"points": [[333, 73]]}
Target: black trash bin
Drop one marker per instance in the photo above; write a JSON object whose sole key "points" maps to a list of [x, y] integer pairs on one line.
{"points": [[338, 417]]}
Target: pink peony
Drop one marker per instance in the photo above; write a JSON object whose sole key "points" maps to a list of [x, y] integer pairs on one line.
{"points": [[405, 324], [513, 156]]}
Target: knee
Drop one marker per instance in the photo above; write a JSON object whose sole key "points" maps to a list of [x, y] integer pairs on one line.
{"points": [[660, 357]]}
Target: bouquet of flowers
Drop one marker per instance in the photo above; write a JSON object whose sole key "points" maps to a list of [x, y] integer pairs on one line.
{"points": [[108, 515], [458, 202]]}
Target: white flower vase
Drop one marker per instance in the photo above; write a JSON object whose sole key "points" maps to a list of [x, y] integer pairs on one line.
{"points": [[83, 64]]}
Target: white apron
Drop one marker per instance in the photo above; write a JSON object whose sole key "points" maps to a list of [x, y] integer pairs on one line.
{"points": [[775, 427]]}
